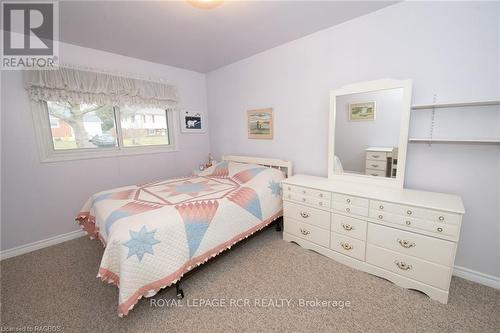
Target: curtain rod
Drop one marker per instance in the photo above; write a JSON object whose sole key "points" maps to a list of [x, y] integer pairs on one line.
{"points": [[115, 73]]}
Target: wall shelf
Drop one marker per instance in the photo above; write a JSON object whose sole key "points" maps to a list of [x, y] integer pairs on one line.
{"points": [[435, 106], [471, 141], [453, 105]]}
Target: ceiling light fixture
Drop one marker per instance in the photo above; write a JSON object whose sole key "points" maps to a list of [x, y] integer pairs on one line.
{"points": [[205, 4]]}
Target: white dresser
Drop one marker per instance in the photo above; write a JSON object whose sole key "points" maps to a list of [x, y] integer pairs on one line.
{"points": [[408, 237], [381, 161]]}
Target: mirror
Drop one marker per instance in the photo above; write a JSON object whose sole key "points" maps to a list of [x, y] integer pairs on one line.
{"points": [[369, 131]]}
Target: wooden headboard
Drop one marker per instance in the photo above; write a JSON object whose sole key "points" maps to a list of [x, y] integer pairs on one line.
{"points": [[285, 166]]}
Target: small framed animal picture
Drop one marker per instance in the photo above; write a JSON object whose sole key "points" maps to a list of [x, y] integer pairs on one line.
{"points": [[362, 111], [260, 124], [192, 123]]}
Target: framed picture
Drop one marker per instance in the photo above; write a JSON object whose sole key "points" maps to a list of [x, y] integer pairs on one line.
{"points": [[362, 111], [192, 123], [260, 124]]}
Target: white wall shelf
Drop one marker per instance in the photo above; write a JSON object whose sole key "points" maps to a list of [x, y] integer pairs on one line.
{"points": [[435, 106], [471, 141], [453, 105]]}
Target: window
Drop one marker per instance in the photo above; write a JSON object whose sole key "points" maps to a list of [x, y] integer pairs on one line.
{"points": [[82, 126], [90, 130], [113, 116], [143, 132]]}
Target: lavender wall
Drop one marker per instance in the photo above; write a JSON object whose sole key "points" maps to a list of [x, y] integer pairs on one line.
{"points": [[447, 48], [40, 200]]}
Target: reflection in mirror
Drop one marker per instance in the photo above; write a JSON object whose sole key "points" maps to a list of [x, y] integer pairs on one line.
{"points": [[367, 132]]}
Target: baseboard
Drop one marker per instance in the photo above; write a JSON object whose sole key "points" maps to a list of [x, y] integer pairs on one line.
{"points": [[16, 251], [475, 276]]}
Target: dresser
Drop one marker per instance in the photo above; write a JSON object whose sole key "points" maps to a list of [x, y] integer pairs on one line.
{"points": [[406, 236], [381, 161]]}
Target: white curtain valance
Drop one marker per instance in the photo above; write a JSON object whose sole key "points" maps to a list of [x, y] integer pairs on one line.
{"points": [[79, 86]]}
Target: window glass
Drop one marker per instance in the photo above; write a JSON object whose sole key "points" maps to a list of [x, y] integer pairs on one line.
{"points": [[81, 126], [144, 126]]}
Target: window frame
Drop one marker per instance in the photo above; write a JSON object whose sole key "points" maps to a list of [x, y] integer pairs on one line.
{"points": [[48, 153]]}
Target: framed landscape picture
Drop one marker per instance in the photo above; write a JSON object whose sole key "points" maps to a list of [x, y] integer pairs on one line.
{"points": [[362, 111], [192, 123], [260, 124]]}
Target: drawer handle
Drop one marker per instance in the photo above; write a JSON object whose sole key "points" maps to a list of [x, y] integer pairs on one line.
{"points": [[402, 265], [381, 207], [321, 195], [408, 222], [346, 246], [304, 199], [320, 203], [289, 196], [348, 200], [440, 229], [303, 191], [409, 212], [375, 165], [406, 243], [304, 215], [289, 188], [381, 217], [441, 218], [347, 227], [304, 232], [348, 210], [376, 156]]}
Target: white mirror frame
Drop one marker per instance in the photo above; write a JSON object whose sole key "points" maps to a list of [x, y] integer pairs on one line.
{"points": [[362, 87]]}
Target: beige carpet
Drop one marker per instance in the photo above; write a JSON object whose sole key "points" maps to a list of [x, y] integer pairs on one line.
{"points": [[57, 286]]}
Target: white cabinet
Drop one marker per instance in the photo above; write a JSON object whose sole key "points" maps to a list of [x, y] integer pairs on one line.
{"points": [[406, 236], [381, 161]]}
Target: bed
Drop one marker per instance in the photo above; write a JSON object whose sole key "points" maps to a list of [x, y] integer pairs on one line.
{"points": [[156, 232]]}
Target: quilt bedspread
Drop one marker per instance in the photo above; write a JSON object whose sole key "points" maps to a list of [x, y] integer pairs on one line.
{"points": [[154, 233]]}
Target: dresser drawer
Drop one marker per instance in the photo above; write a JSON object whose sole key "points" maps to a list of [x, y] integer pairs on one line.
{"points": [[420, 213], [376, 173], [350, 200], [307, 200], [375, 155], [428, 248], [349, 226], [350, 209], [442, 217], [429, 273], [318, 194], [435, 228], [376, 165], [348, 246], [307, 232], [387, 217], [316, 217]]}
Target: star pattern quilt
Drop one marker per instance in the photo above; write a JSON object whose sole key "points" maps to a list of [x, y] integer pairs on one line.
{"points": [[154, 233]]}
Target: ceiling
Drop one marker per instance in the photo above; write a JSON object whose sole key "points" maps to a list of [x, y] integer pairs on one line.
{"points": [[177, 34]]}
